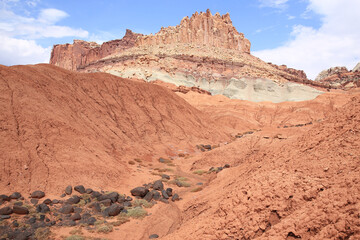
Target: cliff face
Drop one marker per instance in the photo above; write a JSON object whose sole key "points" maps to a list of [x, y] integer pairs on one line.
{"points": [[340, 77], [201, 29], [81, 53]]}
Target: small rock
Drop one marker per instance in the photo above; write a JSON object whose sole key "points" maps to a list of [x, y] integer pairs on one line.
{"points": [[164, 200], [80, 189], [5, 217], [95, 194], [88, 190], [20, 210], [156, 195], [15, 223], [32, 220], [42, 208], [169, 191], [55, 201], [158, 185], [47, 201], [95, 206], [106, 202], [91, 221], [77, 210], [175, 197], [199, 183], [148, 197], [128, 199], [164, 194], [6, 211], [112, 196], [73, 200], [68, 190], [4, 198], [153, 236], [113, 210], [162, 160], [165, 176], [75, 217], [208, 147], [18, 203], [34, 201], [139, 191], [127, 204], [42, 217], [66, 209], [38, 194], [15, 195], [121, 199], [63, 195], [226, 166]]}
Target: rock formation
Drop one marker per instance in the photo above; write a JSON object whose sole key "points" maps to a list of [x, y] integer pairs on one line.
{"points": [[81, 53], [201, 29], [340, 77], [203, 51]]}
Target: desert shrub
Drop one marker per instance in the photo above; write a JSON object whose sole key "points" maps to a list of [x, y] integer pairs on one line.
{"points": [[136, 212], [197, 189], [142, 202], [42, 233], [199, 172], [106, 228], [75, 237]]}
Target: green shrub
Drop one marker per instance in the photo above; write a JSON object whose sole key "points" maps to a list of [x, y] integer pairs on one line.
{"points": [[199, 172], [136, 212], [105, 228], [142, 202]]}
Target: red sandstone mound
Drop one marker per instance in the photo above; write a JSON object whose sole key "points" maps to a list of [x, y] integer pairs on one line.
{"points": [[59, 127], [305, 186]]}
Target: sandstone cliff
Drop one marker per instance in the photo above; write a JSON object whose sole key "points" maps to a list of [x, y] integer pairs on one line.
{"points": [[340, 77], [201, 29], [82, 53]]}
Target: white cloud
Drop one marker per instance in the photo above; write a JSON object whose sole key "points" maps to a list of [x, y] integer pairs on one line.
{"points": [[335, 43], [18, 51], [25, 30], [280, 4]]}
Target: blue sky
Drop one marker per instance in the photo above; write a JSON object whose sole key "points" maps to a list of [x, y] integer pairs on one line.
{"points": [[281, 31]]}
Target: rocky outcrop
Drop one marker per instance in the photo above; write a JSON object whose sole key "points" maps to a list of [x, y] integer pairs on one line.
{"points": [[81, 53], [201, 29], [340, 77]]}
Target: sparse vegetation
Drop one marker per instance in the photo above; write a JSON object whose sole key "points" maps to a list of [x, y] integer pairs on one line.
{"points": [[136, 212], [142, 202], [199, 172], [76, 231], [42, 233], [75, 237], [106, 228], [121, 219], [197, 189]]}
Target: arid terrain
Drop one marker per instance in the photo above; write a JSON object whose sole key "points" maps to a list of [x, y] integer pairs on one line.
{"points": [[90, 151]]}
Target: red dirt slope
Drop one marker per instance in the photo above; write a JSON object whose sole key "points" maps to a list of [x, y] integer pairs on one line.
{"points": [[306, 186], [59, 127]]}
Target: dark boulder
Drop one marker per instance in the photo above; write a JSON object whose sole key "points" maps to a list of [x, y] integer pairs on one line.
{"points": [[148, 197], [95, 194], [6, 211], [156, 195], [113, 210], [95, 206], [175, 197], [20, 210], [18, 203], [158, 185], [88, 190], [73, 200], [3, 217], [75, 217], [164, 200], [42, 208], [164, 194], [139, 191], [169, 192], [38, 194], [153, 236], [226, 166], [68, 190], [128, 199], [112, 196], [165, 176], [80, 189], [47, 201], [34, 201], [106, 202], [127, 204], [66, 209], [121, 199], [15, 195], [91, 221], [4, 198]]}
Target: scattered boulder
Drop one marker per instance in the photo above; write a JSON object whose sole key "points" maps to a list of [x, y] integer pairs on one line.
{"points": [[175, 197], [128, 199], [80, 189], [112, 196], [164, 200], [6, 211], [148, 197], [4, 198], [169, 191], [153, 236], [37, 194], [42, 208], [95, 194], [88, 190], [66, 209], [18, 203], [113, 210], [3, 217], [139, 191], [20, 210], [164, 194], [106, 202], [91, 221], [156, 195], [34, 201], [226, 166], [96, 207], [158, 185], [127, 204], [75, 217], [165, 176], [68, 190], [121, 199], [15, 195], [47, 201], [73, 200]]}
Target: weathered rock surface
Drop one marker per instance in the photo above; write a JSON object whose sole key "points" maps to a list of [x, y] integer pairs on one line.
{"points": [[340, 77]]}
